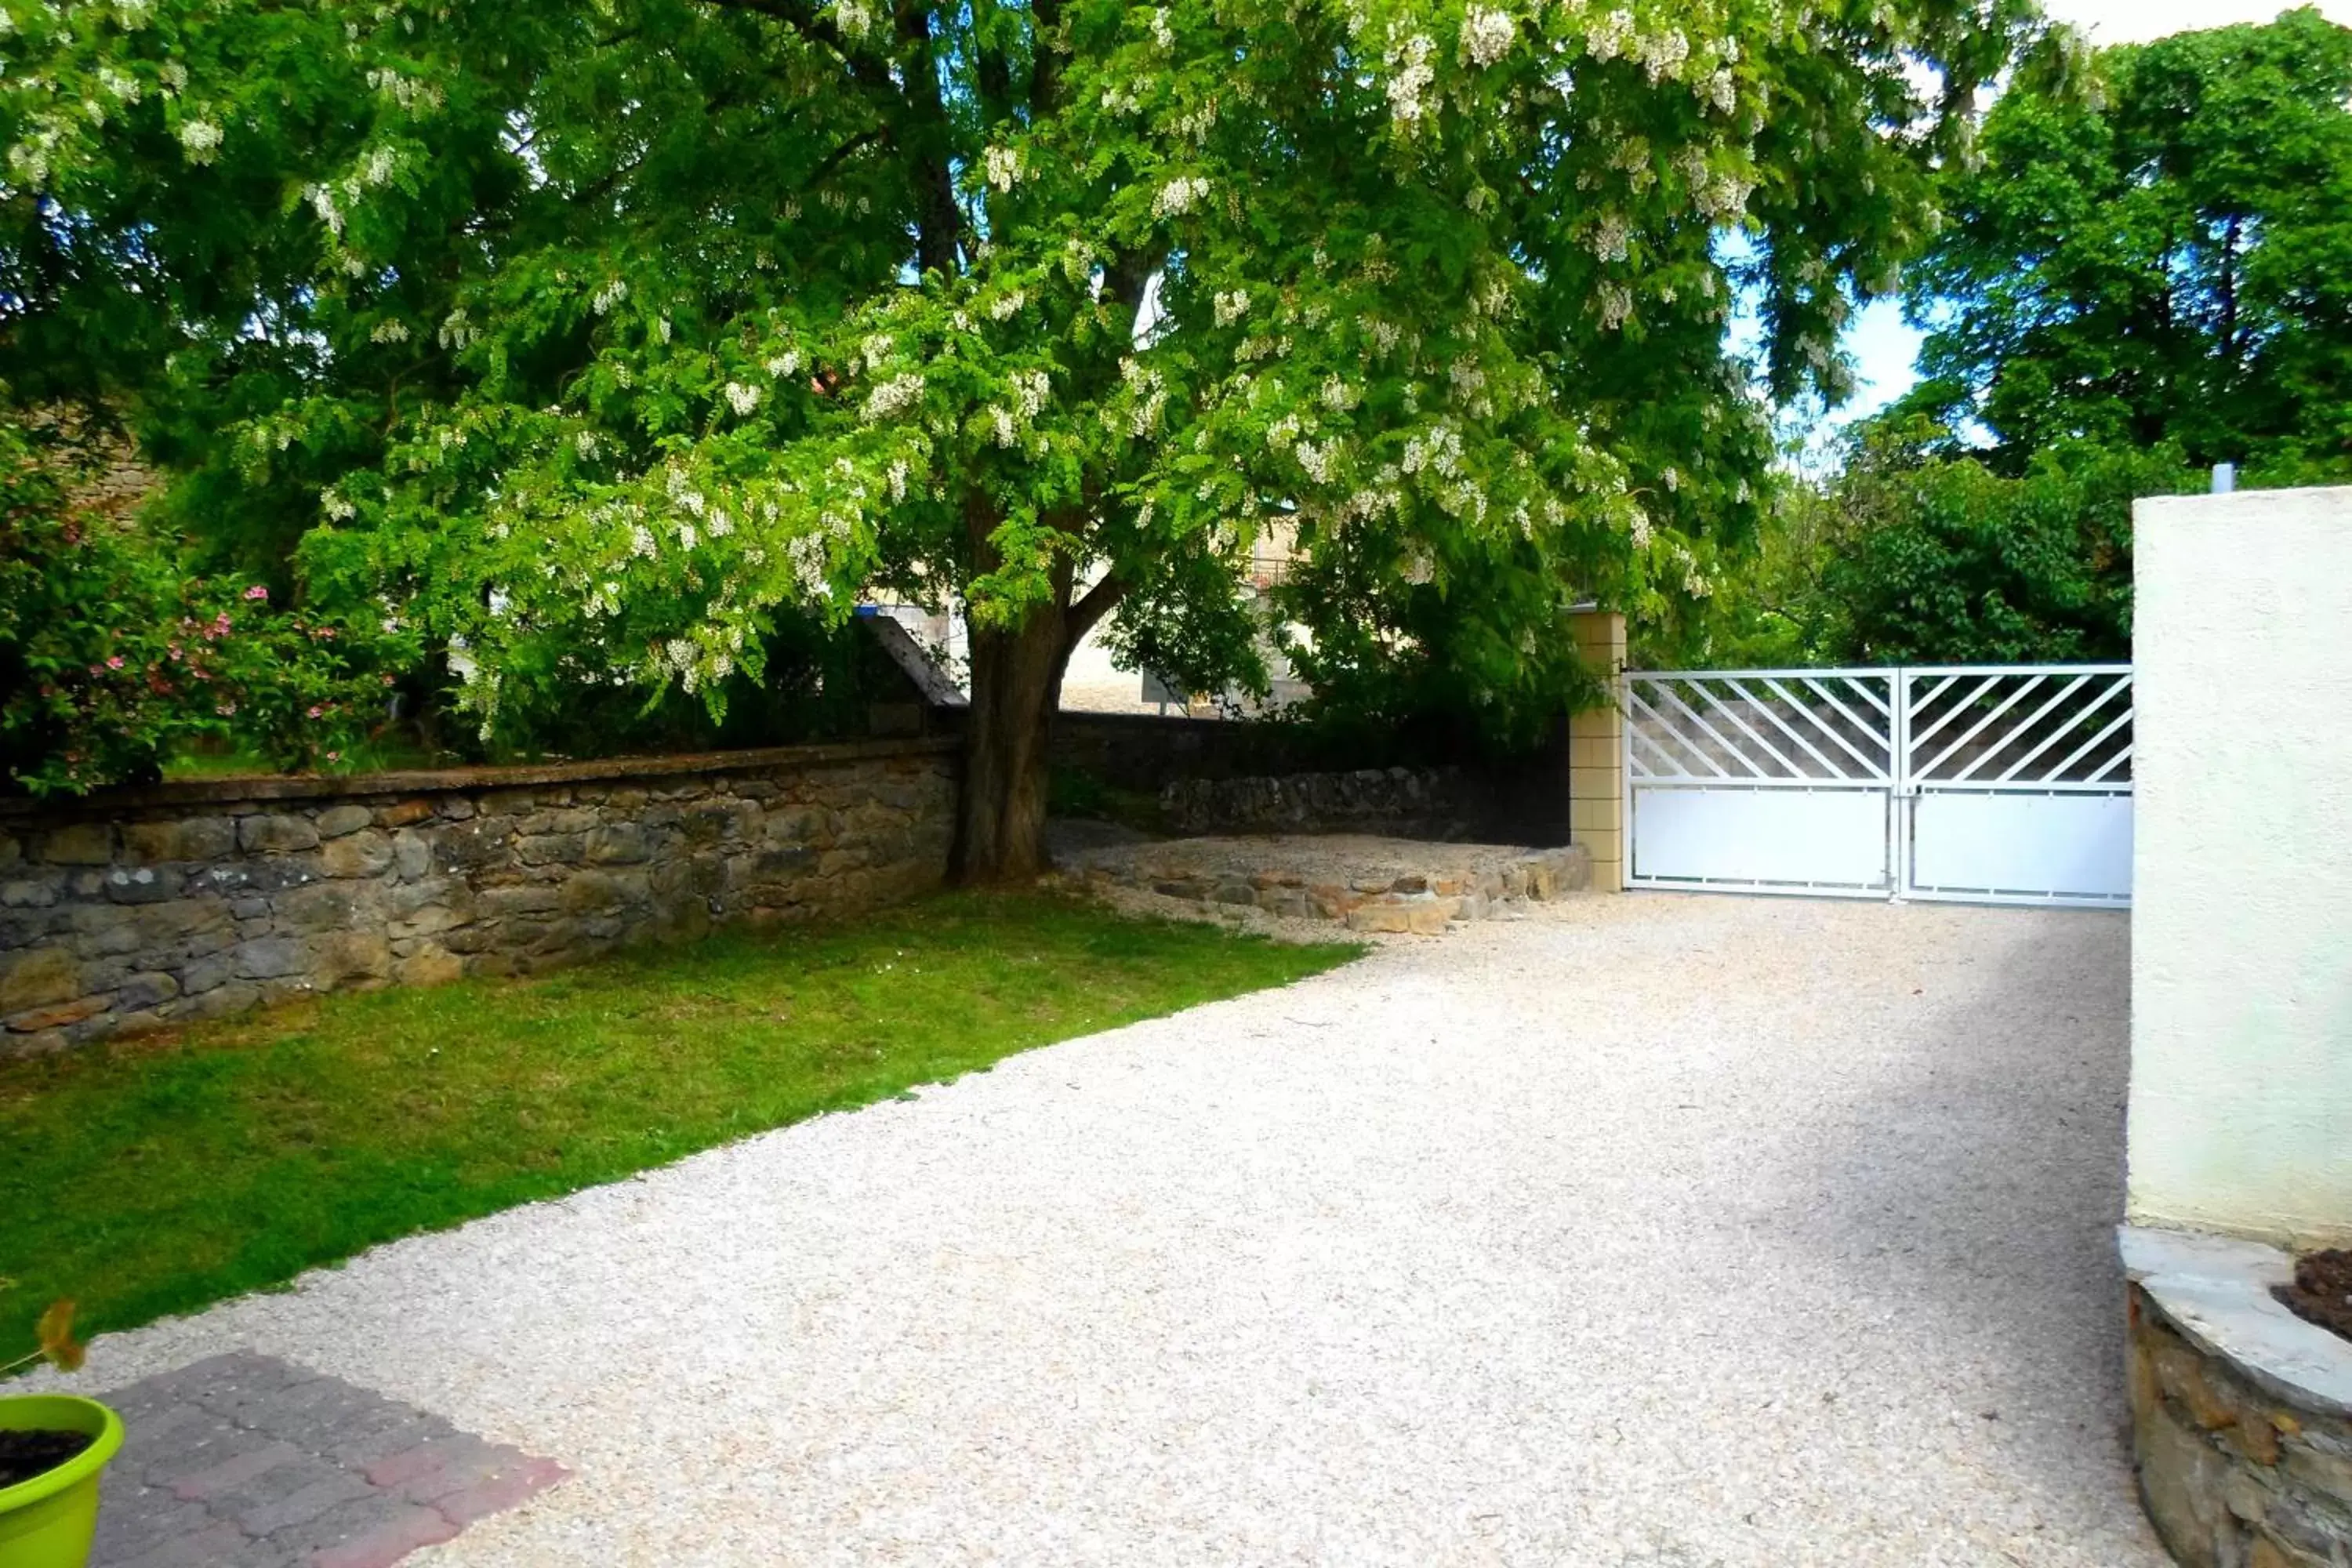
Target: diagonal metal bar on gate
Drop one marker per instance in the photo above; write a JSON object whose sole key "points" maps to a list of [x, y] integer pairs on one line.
{"points": [[1669, 732], [1862, 685], [1770, 750], [2105, 696], [2111, 763], [2006, 703], [2093, 745], [1919, 738], [1835, 771], [1691, 713], [1642, 769], [1869, 769], [2024, 727]]}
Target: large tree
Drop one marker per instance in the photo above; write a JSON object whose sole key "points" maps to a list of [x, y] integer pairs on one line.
{"points": [[587, 335], [2156, 247]]}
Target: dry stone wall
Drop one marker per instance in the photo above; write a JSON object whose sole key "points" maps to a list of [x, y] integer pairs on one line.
{"points": [[190, 901]]}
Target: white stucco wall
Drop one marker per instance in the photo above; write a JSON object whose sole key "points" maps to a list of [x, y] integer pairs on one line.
{"points": [[2242, 892]]}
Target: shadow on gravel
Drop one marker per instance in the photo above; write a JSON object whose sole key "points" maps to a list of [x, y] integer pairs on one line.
{"points": [[1972, 1199]]}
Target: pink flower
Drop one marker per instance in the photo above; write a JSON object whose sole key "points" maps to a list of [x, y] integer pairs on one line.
{"points": [[316, 713], [114, 661], [225, 709], [258, 592], [334, 756]]}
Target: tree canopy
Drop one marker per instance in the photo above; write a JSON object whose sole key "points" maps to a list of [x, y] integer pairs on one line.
{"points": [[587, 338], [2156, 247]]}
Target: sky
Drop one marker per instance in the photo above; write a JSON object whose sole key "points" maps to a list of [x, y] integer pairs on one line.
{"points": [[1883, 348]]}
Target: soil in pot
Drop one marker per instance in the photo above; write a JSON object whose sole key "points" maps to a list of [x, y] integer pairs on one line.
{"points": [[23, 1455], [2322, 1291]]}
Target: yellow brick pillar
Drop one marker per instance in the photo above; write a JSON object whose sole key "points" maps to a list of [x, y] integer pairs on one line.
{"points": [[1596, 751]]}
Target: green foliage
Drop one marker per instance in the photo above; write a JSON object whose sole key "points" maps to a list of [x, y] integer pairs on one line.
{"points": [[148, 1181], [604, 338], [2156, 247], [1909, 556], [111, 655]]}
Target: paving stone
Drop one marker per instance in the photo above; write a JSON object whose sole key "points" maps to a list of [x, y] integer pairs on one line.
{"points": [[245, 1462]]}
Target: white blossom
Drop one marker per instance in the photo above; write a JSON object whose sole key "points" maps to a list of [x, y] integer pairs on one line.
{"points": [[1407, 85], [391, 330], [610, 294], [893, 397], [784, 365], [1178, 195], [1609, 238], [1002, 166], [741, 398], [1663, 54], [1486, 35], [1608, 37], [200, 138], [853, 18], [1007, 305], [1161, 34], [586, 441], [1616, 306], [1231, 305]]}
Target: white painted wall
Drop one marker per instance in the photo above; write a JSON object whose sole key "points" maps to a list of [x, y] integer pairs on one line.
{"points": [[2241, 897]]}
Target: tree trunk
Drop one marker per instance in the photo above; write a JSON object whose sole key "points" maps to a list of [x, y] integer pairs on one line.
{"points": [[1017, 685]]}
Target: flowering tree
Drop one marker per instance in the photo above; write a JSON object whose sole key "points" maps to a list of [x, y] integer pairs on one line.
{"points": [[597, 332]]}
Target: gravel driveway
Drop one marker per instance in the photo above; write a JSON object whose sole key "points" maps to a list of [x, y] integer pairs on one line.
{"points": [[1650, 1230]]}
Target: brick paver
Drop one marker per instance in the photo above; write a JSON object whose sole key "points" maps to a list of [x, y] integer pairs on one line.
{"points": [[245, 1462]]}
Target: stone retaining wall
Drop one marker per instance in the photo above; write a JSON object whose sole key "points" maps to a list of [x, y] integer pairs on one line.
{"points": [[2241, 1414], [1411, 802], [148, 907]]}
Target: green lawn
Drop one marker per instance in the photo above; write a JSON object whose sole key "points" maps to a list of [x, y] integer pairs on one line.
{"points": [[152, 1178]]}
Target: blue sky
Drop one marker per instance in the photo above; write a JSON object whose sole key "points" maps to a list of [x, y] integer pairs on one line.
{"points": [[1883, 348]]}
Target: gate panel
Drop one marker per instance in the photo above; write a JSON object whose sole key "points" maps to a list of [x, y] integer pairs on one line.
{"points": [[1784, 840], [1997, 783], [1764, 781], [2016, 784]]}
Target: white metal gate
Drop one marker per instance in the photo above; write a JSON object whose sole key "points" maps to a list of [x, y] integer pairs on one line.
{"points": [[2006, 783]]}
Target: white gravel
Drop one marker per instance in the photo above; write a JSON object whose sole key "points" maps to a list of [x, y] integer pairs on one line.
{"points": [[1650, 1230]]}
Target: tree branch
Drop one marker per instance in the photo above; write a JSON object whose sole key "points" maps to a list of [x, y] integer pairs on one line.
{"points": [[1091, 607]]}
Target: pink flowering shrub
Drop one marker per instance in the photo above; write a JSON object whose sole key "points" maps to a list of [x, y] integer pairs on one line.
{"points": [[109, 654]]}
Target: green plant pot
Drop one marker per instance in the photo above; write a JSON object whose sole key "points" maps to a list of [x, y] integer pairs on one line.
{"points": [[47, 1522]]}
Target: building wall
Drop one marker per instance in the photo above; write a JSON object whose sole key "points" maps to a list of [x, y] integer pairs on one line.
{"points": [[145, 908], [2241, 920]]}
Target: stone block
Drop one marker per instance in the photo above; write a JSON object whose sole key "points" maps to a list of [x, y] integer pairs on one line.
{"points": [[39, 978], [337, 820], [269, 958], [586, 890], [272, 833], [143, 991], [80, 843], [403, 813], [469, 847], [356, 852], [143, 884], [12, 850], [412, 853], [431, 964], [519, 898], [186, 838], [617, 844], [346, 957], [238, 997], [328, 907], [552, 849], [1380, 917], [57, 1017], [38, 891]]}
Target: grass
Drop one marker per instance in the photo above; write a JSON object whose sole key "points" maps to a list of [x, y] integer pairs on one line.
{"points": [[154, 1177]]}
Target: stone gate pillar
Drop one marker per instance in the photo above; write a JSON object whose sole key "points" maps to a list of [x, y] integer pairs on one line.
{"points": [[1596, 751]]}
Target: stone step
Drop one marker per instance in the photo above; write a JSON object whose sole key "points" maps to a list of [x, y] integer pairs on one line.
{"points": [[1366, 884]]}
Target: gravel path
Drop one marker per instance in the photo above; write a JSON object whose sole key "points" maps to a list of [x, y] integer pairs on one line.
{"points": [[1650, 1230]]}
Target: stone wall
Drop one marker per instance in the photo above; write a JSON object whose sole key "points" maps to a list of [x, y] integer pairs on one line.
{"points": [[2241, 1412], [1405, 803], [148, 907]]}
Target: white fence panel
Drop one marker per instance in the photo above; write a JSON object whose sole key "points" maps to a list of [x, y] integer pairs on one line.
{"points": [[1992, 783]]}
